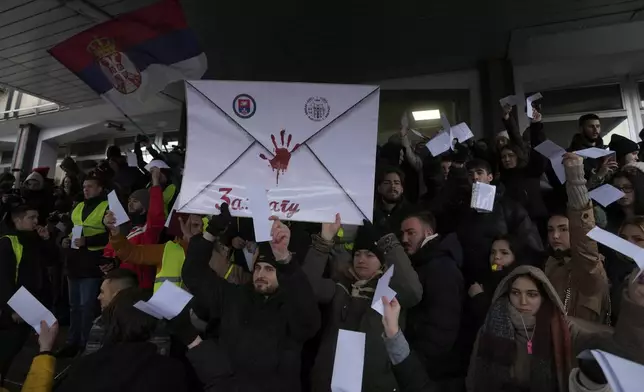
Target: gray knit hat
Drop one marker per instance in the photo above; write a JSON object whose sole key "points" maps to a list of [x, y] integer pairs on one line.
{"points": [[143, 196]]}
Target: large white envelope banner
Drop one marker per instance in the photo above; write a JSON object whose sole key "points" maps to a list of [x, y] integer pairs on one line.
{"points": [[312, 146]]}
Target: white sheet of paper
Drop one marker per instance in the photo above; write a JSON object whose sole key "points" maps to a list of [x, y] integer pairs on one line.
{"points": [[156, 163], [77, 232], [593, 152], [131, 159], [439, 144], [168, 301], [555, 154], [622, 375], [117, 208], [260, 210], [174, 207], [30, 309], [619, 244], [383, 290], [606, 194], [461, 132], [445, 122], [529, 101], [483, 196], [511, 100], [349, 362]]}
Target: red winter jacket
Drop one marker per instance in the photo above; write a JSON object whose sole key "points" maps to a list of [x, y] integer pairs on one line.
{"points": [[145, 235]]}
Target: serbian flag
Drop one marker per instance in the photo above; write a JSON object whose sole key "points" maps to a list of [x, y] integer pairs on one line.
{"points": [[135, 55]]}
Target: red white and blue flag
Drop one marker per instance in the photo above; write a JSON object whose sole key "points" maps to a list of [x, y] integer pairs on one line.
{"points": [[135, 55]]}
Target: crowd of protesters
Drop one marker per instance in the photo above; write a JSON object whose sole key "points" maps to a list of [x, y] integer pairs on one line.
{"points": [[493, 301]]}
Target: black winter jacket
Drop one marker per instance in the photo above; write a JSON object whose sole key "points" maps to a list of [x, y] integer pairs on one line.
{"points": [[433, 325], [262, 336]]}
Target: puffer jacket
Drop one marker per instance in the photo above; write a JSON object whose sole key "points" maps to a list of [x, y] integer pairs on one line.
{"points": [[351, 310]]}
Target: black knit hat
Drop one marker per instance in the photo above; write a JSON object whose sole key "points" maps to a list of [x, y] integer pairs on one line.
{"points": [[265, 254], [364, 240], [622, 146]]}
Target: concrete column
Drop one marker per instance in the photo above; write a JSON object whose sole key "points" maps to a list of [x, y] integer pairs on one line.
{"points": [[47, 156], [497, 81], [24, 150]]}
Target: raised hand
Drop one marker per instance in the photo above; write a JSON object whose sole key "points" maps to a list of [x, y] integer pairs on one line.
{"points": [[47, 336], [109, 220], [390, 319], [329, 230], [281, 238]]}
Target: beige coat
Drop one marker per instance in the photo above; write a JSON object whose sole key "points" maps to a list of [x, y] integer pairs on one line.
{"points": [[582, 274]]}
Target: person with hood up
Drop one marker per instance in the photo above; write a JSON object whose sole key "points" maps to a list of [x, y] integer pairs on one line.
{"points": [[126, 179], [25, 253], [575, 266], [476, 231], [350, 300], [264, 324], [83, 260], [71, 169], [433, 325], [524, 343], [127, 362], [145, 208]]}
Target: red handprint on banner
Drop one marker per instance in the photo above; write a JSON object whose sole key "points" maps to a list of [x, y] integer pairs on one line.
{"points": [[279, 163]]}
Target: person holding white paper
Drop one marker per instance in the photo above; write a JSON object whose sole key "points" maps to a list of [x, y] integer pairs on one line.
{"points": [[575, 265], [597, 171], [25, 253], [146, 211], [626, 150], [84, 275], [264, 324], [350, 299]]}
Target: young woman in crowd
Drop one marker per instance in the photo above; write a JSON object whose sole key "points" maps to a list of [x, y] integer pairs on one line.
{"points": [[350, 300], [629, 180], [524, 343]]}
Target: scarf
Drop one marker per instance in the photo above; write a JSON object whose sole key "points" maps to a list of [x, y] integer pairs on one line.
{"points": [[502, 363], [361, 288]]}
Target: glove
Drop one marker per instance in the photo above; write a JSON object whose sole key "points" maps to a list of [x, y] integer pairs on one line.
{"points": [[220, 225], [181, 327]]}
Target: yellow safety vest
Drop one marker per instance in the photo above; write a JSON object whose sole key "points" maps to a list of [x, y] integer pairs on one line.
{"points": [[168, 194], [173, 258], [17, 250], [93, 225], [348, 245]]}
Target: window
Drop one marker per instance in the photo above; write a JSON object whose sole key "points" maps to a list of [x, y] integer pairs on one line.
{"points": [[97, 147], [562, 132], [7, 157], [582, 100]]}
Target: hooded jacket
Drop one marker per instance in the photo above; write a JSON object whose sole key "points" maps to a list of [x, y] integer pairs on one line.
{"points": [[433, 325], [262, 335], [350, 308], [562, 355]]}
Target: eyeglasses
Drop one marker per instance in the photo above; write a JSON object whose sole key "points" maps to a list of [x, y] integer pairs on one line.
{"points": [[625, 189]]}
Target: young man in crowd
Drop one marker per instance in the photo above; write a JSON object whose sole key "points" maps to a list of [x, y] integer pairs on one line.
{"points": [[597, 171], [575, 267], [433, 325], [146, 211], [25, 254], [390, 207], [263, 325], [477, 230], [84, 256]]}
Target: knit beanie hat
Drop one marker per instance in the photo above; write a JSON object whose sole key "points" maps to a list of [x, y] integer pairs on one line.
{"points": [[35, 176], [364, 240], [142, 196], [265, 254], [622, 146], [113, 152]]}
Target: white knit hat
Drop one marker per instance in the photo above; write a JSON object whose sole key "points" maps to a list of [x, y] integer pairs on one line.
{"points": [[35, 176]]}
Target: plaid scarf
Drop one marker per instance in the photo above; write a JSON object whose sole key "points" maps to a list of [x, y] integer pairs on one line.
{"points": [[496, 356]]}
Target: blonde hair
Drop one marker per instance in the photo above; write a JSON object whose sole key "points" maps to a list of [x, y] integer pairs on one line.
{"points": [[637, 221]]}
